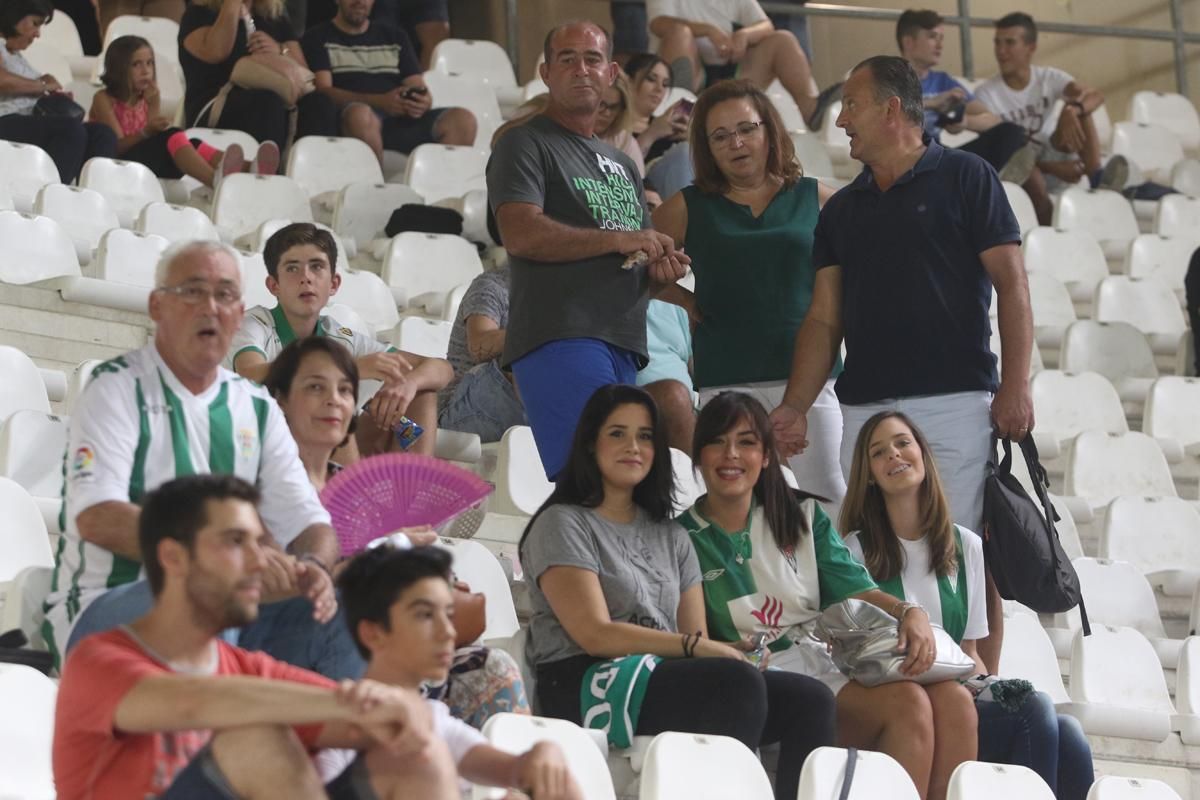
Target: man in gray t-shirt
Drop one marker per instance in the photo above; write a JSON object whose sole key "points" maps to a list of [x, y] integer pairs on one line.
{"points": [[571, 210]]}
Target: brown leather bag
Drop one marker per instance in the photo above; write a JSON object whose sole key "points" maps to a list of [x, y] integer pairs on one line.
{"points": [[470, 616]]}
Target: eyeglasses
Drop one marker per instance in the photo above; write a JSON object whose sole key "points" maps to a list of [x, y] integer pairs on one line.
{"points": [[195, 294], [743, 131]]}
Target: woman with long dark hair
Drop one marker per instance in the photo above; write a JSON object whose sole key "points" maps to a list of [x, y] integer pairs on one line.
{"points": [[618, 606], [776, 562]]}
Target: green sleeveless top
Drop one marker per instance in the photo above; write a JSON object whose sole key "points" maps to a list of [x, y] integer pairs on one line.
{"points": [[754, 283]]}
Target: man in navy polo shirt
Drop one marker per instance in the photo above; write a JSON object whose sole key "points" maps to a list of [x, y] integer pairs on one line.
{"points": [[907, 256]]}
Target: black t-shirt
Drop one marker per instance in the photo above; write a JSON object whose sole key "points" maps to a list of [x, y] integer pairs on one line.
{"points": [[204, 80], [915, 294], [372, 62]]}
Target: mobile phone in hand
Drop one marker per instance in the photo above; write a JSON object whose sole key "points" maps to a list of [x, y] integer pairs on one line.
{"points": [[414, 91], [684, 107]]}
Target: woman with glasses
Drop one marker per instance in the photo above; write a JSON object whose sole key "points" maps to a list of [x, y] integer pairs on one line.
{"points": [[748, 223]]}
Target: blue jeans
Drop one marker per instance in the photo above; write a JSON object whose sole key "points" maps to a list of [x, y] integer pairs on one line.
{"points": [[1052, 745], [556, 381], [485, 403], [285, 630]]}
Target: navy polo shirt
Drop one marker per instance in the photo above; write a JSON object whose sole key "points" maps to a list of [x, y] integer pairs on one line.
{"points": [[915, 294]]}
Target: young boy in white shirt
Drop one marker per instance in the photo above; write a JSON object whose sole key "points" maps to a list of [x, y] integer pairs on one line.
{"points": [[301, 262]]}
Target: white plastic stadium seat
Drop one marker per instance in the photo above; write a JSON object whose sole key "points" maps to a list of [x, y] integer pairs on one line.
{"points": [[23, 603], [1185, 177], [244, 201], [61, 34], [1147, 304], [48, 60], [1116, 350], [976, 780], [83, 213], [438, 171], [1028, 653], [1172, 111], [26, 540], [162, 33], [1170, 414], [423, 336], [702, 767], [368, 295], [1178, 215], [1153, 148], [1160, 537], [475, 565], [129, 257], [1162, 257], [1053, 310], [521, 485], [35, 249], [478, 60], [176, 223], [469, 93], [516, 733], [1115, 787], [1073, 257], [324, 165], [1117, 594], [32, 444], [361, 210], [813, 156], [1117, 686], [24, 169], [876, 775], [22, 387], [127, 185], [27, 697], [421, 267], [1067, 404], [789, 112], [1187, 692], [474, 208], [1105, 214], [254, 280], [1102, 466], [1022, 207]]}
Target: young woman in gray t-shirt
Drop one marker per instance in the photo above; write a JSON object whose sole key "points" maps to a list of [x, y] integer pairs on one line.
{"points": [[613, 577]]}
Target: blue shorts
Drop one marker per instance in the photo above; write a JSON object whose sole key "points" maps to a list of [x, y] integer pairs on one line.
{"points": [[556, 380], [202, 779]]}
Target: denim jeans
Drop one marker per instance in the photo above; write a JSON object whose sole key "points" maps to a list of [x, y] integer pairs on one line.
{"points": [[285, 630], [484, 402], [1052, 745]]}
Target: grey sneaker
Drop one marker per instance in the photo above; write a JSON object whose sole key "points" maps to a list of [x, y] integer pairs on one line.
{"points": [[1021, 165], [1115, 174]]}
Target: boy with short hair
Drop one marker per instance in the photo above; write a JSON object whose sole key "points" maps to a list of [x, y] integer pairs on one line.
{"points": [[399, 606], [301, 262]]}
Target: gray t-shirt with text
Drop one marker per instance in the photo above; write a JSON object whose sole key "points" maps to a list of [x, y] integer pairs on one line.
{"points": [[643, 568], [585, 183]]}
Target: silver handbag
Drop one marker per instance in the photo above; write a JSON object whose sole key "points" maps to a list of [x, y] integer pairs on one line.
{"points": [[863, 640]]}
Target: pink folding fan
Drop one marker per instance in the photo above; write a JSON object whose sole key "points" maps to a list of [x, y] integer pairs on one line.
{"points": [[382, 494]]}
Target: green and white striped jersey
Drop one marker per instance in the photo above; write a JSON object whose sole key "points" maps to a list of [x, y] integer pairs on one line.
{"points": [[136, 427]]}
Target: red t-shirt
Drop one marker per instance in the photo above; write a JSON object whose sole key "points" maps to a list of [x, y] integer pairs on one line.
{"points": [[93, 760]]}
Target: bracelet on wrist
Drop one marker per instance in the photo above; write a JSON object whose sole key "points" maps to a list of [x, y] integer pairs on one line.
{"points": [[312, 559]]}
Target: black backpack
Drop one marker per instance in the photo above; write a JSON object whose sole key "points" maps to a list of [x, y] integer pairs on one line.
{"points": [[1020, 544]]}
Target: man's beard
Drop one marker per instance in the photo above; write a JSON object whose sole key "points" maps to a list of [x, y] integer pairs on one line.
{"points": [[215, 607]]}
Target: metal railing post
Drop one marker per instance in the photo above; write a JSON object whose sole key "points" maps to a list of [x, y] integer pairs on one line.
{"points": [[964, 36], [1181, 76]]}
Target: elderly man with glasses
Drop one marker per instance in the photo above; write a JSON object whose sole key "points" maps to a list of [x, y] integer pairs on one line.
{"points": [[169, 409]]}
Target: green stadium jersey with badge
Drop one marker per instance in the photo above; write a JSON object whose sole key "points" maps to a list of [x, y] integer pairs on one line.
{"points": [[750, 586], [136, 427], [266, 331]]}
